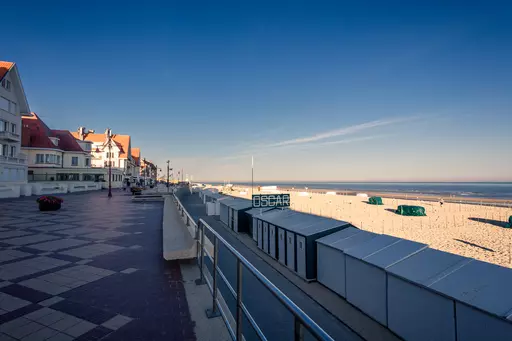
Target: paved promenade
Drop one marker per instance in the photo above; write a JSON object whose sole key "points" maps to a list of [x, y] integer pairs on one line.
{"points": [[91, 271]]}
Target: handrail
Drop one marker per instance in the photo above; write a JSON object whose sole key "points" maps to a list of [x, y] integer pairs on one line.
{"points": [[300, 317]]}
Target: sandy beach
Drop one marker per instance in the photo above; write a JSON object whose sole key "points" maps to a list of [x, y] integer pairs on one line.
{"points": [[471, 230]]}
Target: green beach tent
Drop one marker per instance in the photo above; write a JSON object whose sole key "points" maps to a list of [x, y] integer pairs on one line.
{"points": [[509, 225], [375, 201], [406, 210]]}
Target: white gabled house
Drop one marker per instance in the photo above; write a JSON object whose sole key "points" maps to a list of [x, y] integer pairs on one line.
{"points": [[118, 155]]}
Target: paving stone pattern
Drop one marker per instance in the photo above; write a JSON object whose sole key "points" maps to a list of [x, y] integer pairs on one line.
{"points": [[90, 271]]}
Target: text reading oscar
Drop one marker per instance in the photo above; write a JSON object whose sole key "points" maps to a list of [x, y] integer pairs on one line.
{"points": [[270, 200]]}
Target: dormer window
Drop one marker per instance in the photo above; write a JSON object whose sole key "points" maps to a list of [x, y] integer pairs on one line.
{"points": [[54, 140], [6, 84]]}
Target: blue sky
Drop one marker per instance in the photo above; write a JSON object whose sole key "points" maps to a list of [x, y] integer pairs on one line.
{"points": [[350, 91]]}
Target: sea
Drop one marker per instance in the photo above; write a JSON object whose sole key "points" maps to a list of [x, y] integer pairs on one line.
{"points": [[484, 190]]}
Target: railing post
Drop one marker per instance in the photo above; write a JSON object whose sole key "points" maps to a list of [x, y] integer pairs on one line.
{"points": [[188, 221], [214, 312], [239, 311], [298, 330], [200, 280]]}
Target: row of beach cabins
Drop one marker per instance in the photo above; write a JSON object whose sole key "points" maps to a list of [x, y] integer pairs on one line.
{"points": [[417, 292]]}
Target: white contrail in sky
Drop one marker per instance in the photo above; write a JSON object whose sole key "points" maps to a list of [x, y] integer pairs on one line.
{"points": [[342, 131], [356, 139], [311, 141]]}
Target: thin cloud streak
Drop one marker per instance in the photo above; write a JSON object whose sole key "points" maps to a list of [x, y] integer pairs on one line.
{"points": [[343, 131], [307, 145], [346, 141]]}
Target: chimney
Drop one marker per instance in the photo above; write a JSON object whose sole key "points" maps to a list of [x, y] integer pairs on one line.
{"points": [[81, 133]]}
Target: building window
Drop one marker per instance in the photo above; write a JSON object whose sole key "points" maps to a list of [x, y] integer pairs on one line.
{"points": [[4, 104], [4, 150], [7, 105], [13, 151], [4, 126], [6, 84], [68, 177], [58, 159], [87, 162], [88, 177], [13, 128], [13, 108], [74, 161], [39, 158]]}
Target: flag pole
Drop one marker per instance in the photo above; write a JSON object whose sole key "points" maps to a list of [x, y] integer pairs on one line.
{"points": [[252, 175]]}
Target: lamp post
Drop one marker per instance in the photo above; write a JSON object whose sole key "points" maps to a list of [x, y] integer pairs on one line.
{"points": [[144, 172], [109, 163], [168, 175]]}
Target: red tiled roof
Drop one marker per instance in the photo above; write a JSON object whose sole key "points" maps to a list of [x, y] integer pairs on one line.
{"points": [[98, 138], [4, 68], [121, 141], [124, 141], [35, 133], [67, 141], [136, 156]]}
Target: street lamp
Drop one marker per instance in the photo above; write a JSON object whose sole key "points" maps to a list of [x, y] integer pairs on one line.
{"points": [[168, 174], [109, 135]]}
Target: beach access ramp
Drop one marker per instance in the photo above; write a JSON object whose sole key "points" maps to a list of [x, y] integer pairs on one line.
{"points": [[177, 238]]}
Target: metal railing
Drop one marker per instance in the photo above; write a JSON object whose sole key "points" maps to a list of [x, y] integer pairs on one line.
{"points": [[301, 319], [12, 159], [9, 135]]}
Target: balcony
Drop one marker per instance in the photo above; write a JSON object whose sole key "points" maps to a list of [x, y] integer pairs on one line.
{"points": [[48, 163], [7, 135], [21, 159]]}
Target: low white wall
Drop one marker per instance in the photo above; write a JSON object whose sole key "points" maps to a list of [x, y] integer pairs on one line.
{"points": [[9, 191], [178, 243], [42, 188], [83, 186], [26, 190]]}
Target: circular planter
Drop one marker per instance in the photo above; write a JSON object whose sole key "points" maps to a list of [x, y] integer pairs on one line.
{"points": [[43, 206]]}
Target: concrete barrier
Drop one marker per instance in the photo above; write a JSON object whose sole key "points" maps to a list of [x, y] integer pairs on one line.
{"points": [[10, 191], [148, 198], [45, 188], [83, 186], [178, 242], [26, 190]]}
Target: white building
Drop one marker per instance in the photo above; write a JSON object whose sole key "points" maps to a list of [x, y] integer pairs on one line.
{"points": [[13, 104], [136, 173], [118, 154], [55, 155]]}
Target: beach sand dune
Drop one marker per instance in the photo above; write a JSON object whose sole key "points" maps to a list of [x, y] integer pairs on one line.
{"points": [[470, 230]]}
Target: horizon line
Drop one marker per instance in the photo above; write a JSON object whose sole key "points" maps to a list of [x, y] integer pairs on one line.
{"points": [[364, 181]]}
